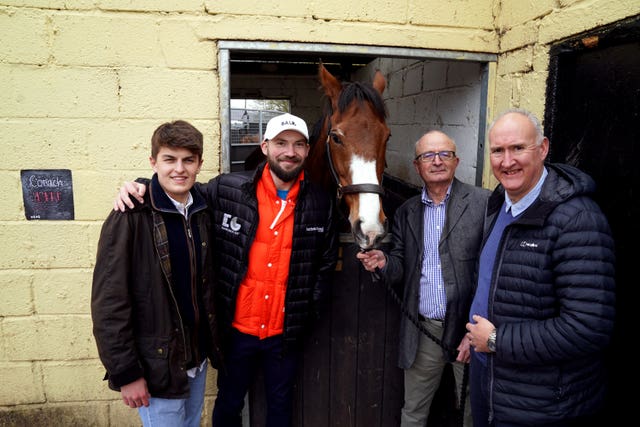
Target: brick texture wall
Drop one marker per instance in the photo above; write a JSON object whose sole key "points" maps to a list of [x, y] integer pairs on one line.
{"points": [[83, 84]]}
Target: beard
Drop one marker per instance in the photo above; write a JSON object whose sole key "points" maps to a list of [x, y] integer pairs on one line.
{"points": [[285, 176]]}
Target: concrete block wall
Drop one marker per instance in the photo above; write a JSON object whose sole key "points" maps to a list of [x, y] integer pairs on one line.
{"points": [[527, 31], [425, 95], [83, 84]]}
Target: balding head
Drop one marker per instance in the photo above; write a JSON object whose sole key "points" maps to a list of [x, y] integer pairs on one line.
{"points": [[434, 138], [517, 150]]}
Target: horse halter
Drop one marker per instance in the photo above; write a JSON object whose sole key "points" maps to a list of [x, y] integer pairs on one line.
{"points": [[353, 188]]}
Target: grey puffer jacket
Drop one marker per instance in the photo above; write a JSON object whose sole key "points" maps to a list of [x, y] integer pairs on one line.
{"points": [[552, 301], [232, 200]]}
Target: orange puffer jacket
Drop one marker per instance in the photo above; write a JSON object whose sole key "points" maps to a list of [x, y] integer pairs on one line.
{"points": [[234, 207], [261, 296]]}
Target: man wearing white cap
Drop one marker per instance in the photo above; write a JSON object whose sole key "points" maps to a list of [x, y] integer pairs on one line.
{"points": [[281, 223], [275, 250]]}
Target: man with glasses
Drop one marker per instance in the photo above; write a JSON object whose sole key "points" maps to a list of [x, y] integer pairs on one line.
{"points": [[435, 240], [275, 249]]}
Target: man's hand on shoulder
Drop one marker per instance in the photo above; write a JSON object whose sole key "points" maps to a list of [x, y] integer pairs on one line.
{"points": [[129, 189]]}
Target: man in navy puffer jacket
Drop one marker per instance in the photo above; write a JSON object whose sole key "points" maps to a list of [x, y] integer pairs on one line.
{"points": [[543, 311]]}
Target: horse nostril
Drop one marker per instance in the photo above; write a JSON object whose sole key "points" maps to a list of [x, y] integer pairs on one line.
{"points": [[372, 238]]}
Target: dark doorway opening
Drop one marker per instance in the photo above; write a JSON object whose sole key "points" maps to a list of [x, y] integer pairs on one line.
{"points": [[348, 375], [593, 122]]}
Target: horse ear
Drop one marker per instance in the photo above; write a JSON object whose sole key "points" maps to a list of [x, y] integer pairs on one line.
{"points": [[330, 84], [379, 82]]}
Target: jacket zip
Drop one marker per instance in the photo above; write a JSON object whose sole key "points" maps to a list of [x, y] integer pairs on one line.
{"points": [[194, 285], [494, 285]]}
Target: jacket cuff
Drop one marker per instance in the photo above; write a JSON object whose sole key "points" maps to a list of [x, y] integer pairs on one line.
{"points": [[127, 376]]}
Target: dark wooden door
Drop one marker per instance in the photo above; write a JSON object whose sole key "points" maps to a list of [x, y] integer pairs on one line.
{"points": [[349, 375], [593, 122]]}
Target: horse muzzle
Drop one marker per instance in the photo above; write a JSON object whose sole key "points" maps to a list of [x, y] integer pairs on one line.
{"points": [[370, 239]]}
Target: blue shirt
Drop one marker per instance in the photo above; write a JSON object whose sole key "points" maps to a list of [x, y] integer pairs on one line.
{"points": [[433, 299], [282, 194]]}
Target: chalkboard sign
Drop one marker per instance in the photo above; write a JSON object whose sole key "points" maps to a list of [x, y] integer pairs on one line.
{"points": [[47, 194]]}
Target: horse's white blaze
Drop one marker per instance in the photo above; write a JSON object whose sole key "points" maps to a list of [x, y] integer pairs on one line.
{"points": [[364, 172]]}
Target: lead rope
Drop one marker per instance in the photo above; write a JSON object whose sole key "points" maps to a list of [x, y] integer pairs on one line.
{"points": [[376, 277]]}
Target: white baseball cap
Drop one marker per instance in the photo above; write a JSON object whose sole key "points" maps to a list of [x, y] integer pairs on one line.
{"points": [[285, 122]]}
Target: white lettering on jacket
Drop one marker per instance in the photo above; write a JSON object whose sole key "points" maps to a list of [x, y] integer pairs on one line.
{"points": [[230, 223]]}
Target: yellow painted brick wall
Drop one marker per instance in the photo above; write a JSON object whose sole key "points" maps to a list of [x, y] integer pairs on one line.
{"points": [[527, 29], [83, 84]]}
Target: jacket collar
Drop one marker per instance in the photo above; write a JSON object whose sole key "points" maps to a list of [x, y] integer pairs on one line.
{"points": [[562, 183], [456, 204], [159, 200]]}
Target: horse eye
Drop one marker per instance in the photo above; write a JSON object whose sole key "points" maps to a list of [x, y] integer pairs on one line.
{"points": [[336, 138]]}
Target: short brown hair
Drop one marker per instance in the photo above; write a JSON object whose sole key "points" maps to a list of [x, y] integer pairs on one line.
{"points": [[177, 134]]}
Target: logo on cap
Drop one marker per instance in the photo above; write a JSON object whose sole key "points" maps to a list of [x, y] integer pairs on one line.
{"points": [[284, 122]]}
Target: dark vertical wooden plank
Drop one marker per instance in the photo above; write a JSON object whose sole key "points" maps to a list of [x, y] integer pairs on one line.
{"points": [[371, 338], [393, 379], [314, 375], [344, 346]]}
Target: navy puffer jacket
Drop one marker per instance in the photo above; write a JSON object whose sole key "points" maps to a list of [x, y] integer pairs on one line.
{"points": [[552, 301]]}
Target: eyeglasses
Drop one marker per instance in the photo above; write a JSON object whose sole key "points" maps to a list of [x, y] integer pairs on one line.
{"points": [[429, 156]]}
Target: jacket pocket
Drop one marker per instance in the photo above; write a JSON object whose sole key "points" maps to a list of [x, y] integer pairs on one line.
{"points": [[154, 352]]}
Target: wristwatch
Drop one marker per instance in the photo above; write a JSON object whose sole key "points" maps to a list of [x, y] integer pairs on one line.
{"points": [[491, 341]]}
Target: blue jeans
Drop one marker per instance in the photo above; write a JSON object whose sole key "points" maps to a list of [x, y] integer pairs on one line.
{"points": [[177, 412], [245, 355]]}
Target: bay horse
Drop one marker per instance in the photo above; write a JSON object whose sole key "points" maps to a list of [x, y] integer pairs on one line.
{"points": [[347, 155]]}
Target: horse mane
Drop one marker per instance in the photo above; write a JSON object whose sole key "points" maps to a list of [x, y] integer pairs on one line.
{"points": [[361, 92]]}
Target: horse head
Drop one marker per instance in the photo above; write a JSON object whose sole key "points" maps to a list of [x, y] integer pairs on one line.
{"points": [[349, 154]]}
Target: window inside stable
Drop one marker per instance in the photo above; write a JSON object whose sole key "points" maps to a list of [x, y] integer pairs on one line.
{"points": [[248, 119]]}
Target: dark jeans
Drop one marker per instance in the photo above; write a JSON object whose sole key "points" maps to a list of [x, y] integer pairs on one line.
{"points": [[478, 392], [245, 356]]}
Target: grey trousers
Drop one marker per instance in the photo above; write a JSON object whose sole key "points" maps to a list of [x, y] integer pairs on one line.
{"points": [[422, 379]]}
